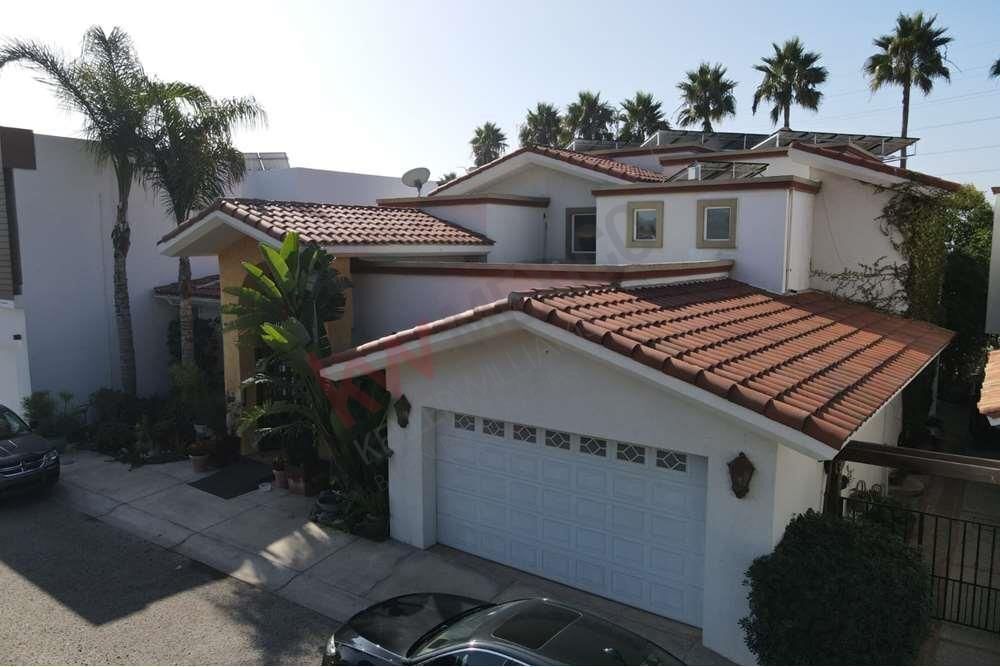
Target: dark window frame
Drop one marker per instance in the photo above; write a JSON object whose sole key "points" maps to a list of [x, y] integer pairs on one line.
{"points": [[578, 256]]}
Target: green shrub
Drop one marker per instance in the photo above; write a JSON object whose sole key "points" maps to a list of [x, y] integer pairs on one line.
{"points": [[115, 438], [837, 591], [40, 411], [112, 405]]}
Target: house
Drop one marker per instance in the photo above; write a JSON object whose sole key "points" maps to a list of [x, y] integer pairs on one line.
{"points": [[57, 326], [622, 370]]}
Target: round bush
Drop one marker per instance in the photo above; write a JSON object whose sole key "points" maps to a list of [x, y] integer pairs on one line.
{"points": [[837, 591]]}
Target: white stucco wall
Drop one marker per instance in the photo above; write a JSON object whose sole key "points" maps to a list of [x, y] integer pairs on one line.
{"points": [[563, 190], [517, 231], [66, 210], [760, 233], [319, 185], [15, 374], [800, 230], [883, 428], [846, 229], [387, 303], [521, 377]]}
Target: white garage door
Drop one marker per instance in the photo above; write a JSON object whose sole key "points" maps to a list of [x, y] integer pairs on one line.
{"points": [[618, 519]]}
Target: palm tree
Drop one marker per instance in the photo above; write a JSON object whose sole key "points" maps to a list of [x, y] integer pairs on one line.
{"points": [[445, 177], [641, 116], [108, 86], [706, 96], [541, 126], [911, 54], [589, 117], [488, 143], [995, 70], [190, 158], [791, 76]]}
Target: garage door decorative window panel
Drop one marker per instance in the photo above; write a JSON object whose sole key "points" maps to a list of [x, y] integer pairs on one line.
{"points": [[619, 519]]}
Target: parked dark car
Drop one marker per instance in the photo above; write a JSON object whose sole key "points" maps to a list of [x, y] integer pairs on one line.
{"points": [[439, 629], [26, 459]]}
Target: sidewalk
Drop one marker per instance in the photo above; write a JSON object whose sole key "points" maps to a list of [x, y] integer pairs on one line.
{"points": [[265, 539]]}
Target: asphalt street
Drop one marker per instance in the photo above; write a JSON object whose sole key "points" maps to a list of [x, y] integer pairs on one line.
{"points": [[75, 590]]}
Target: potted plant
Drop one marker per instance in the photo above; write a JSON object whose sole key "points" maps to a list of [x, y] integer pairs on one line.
{"points": [[296, 481], [279, 472], [199, 452], [369, 513]]}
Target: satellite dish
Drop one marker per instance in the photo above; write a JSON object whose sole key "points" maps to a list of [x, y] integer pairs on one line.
{"points": [[416, 178]]}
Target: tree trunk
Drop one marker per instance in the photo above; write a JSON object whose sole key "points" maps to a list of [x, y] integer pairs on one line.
{"points": [[120, 241], [906, 117], [186, 311], [788, 113]]}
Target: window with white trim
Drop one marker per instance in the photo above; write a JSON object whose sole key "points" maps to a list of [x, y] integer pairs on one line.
{"points": [[717, 223], [644, 224], [583, 233]]}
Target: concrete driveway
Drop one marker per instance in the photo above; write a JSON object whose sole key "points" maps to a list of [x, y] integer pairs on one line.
{"points": [[80, 591], [266, 540]]}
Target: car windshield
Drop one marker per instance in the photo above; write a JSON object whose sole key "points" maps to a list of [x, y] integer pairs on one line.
{"points": [[11, 424], [455, 630]]}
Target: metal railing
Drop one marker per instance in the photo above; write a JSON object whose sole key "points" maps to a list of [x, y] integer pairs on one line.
{"points": [[961, 555]]}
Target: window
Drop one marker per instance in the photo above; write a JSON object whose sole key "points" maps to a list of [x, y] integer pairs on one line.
{"points": [[584, 232], [644, 225], [557, 439], [631, 453], [593, 446], [581, 234], [671, 460], [716, 223], [493, 427], [525, 433], [465, 422]]}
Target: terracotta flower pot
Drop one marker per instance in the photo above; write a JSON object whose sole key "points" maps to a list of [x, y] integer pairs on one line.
{"points": [[280, 479], [199, 463]]}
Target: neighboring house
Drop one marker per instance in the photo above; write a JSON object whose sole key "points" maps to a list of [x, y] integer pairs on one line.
{"points": [[56, 257], [589, 341]]}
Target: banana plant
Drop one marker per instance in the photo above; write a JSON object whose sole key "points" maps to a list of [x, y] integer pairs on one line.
{"points": [[340, 415], [294, 281]]}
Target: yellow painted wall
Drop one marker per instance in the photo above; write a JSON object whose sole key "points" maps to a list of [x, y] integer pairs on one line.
{"points": [[238, 363], [239, 360], [340, 332]]}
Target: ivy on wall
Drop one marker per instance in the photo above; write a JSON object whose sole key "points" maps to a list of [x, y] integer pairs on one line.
{"points": [[944, 241]]}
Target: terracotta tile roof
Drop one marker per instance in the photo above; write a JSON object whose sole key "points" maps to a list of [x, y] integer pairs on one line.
{"points": [[817, 364], [628, 172], [989, 398], [335, 224], [206, 287]]}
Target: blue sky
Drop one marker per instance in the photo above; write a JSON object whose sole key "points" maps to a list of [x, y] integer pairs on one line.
{"points": [[379, 87]]}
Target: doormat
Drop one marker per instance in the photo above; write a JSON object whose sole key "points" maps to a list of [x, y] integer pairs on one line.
{"points": [[235, 480]]}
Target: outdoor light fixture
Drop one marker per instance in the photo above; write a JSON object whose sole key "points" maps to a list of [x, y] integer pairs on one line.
{"points": [[402, 406], [740, 473]]}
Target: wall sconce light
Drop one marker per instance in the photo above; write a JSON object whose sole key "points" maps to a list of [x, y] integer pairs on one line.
{"points": [[402, 406], [740, 474]]}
